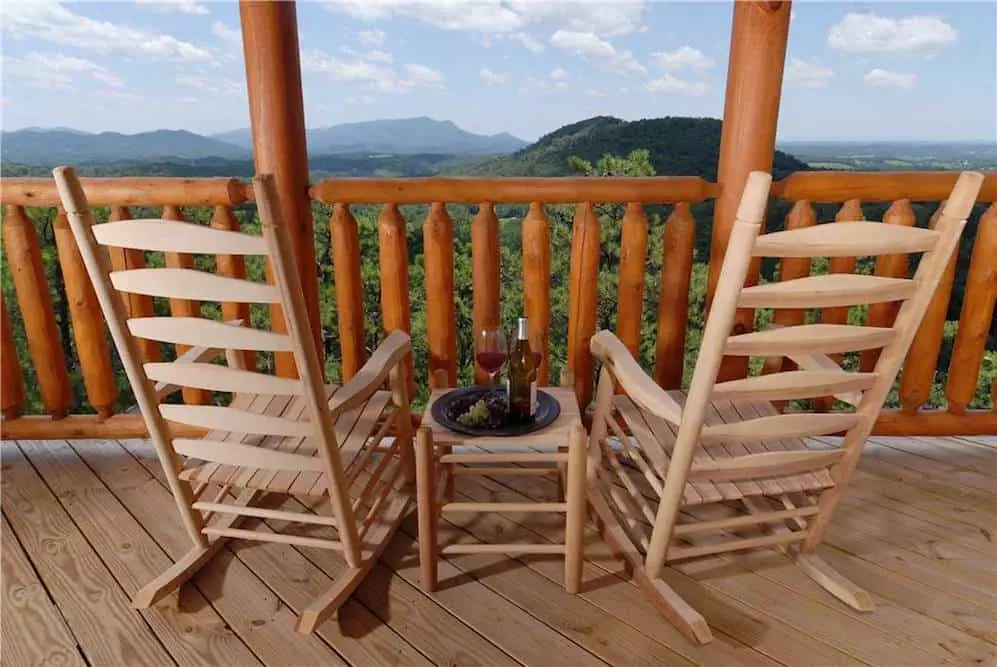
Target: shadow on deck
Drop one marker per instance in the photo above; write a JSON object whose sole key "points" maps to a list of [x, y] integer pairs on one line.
{"points": [[86, 523]]}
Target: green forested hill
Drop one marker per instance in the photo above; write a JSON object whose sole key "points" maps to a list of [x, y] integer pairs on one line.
{"points": [[678, 147]]}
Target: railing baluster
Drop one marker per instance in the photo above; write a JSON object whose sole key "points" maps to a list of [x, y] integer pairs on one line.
{"points": [[441, 322], [888, 266], [583, 299], [633, 264], [137, 305], [851, 211], [922, 359], [28, 271], [396, 309], [673, 299], [233, 266], [976, 316], [792, 268], [536, 280], [349, 294], [88, 321], [486, 274], [184, 307], [11, 377]]}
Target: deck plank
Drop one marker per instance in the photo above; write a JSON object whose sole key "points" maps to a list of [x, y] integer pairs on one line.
{"points": [[249, 607], [32, 631], [194, 634], [356, 634], [916, 529], [93, 604], [743, 623]]}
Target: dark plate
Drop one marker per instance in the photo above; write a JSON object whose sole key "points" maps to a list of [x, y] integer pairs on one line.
{"points": [[547, 411]]}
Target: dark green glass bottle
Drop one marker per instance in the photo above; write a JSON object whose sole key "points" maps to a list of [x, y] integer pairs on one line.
{"points": [[521, 377]]}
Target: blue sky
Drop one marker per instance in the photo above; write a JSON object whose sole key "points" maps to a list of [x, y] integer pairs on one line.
{"points": [[855, 70]]}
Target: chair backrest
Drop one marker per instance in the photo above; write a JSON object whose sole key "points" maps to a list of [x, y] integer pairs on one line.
{"points": [[169, 236], [810, 344]]}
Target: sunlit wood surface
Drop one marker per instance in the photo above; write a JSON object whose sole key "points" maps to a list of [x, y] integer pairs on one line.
{"points": [[83, 529]]}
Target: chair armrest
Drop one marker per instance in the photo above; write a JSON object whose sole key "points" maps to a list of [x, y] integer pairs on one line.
{"points": [[372, 375], [192, 356], [611, 351]]}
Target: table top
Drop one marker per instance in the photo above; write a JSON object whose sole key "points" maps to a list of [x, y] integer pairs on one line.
{"points": [[555, 435]]}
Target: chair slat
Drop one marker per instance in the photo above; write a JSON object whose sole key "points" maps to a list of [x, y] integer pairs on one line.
{"points": [[221, 378], [793, 385], [808, 339], [231, 419], [209, 333], [191, 284], [234, 454], [842, 289], [846, 239], [780, 427], [768, 464], [175, 236]]}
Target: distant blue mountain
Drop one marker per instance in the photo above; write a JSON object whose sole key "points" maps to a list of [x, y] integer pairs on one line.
{"points": [[53, 146], [395, 136]]}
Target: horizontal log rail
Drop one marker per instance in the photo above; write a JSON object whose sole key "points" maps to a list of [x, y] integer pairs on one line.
{"points": [[33, 308]]}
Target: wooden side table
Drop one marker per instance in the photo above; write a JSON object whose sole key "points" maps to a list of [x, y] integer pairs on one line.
{"points": [[562, 444]]}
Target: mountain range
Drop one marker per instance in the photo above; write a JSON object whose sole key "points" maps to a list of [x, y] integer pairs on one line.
{"points": [[40, 146]]}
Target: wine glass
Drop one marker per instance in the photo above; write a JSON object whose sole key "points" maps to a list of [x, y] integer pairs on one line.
{"points": [[492, 352], [536, 347]]}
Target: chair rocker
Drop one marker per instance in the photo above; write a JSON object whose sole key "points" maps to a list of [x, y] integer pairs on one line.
{"points": [[278, 437], [681, 475]]}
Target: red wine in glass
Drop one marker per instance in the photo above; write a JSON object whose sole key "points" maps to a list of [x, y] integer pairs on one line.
{"points": [[491, 351], [491, 362]]}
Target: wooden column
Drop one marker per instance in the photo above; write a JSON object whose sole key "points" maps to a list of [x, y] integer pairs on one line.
{"points": [[277, 119], [758, 39]]}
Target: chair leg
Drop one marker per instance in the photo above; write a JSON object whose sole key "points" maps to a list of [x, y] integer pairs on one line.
{"points": [[347, 581], [834, 582], [680, 613], [192, 561], [574, 550], [425, 476]]}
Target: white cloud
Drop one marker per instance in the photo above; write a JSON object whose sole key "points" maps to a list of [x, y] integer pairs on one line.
{"points": [[529, 42], [869, 33], [55, 70], [558, 74], [231, 36], [421, 75], [684, 57], [591, 47], [807, 74], [602, 17], [880, 78], [371, 37], [49, 21], [377, 56], [377, 77], [360, 99], [211, 85], [593, 92], [175, 6], [492, 78], [674, 86]]}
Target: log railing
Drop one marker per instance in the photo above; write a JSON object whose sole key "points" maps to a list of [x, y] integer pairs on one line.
{"points": [[45, 343], [900, 189], [536, 193], [806, 191]]}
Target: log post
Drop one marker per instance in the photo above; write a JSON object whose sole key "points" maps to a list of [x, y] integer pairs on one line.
{"points": [[277, 119], [759, 34]]}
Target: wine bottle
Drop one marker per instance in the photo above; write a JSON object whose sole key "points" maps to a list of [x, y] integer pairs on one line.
{"points": [[521, 374]]}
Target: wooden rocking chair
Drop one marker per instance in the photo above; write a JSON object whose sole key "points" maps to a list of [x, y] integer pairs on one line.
{"points": [[724, 468], [298, 437]]}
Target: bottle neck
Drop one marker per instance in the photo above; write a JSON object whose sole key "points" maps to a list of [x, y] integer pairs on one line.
{"points": [[523, 331]]}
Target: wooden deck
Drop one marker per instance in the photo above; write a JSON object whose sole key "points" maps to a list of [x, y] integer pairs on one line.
{"points": [[86, 523]]}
